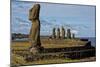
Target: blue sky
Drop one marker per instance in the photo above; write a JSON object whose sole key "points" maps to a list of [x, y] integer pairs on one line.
{"points": [[80, 19]]}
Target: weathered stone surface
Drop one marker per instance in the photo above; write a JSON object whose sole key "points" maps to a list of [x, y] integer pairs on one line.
{"points": [[73, 35], [34, 35], [68, 33], [58, 33], [53, 33], [63, 33]]}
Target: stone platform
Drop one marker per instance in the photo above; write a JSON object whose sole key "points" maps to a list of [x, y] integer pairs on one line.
{"points": [[62, 43]]}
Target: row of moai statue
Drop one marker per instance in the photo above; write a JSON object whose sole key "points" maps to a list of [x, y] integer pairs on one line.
{"points": [[56, 33], [34, 35]]}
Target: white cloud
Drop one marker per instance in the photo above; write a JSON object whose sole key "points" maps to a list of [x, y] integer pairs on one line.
{"points": [[74, 31]]}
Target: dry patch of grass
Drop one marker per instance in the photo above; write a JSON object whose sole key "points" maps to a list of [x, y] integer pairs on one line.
{"points": [[20, 45], [47, 43]]}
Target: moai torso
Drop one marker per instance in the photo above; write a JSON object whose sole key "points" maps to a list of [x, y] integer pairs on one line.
{"points": [[34, 36]]}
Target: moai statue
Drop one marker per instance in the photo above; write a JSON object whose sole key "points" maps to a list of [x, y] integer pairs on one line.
{"points": [[34, 36], [58, 33], [73, 35], [63, 33], [68, 34], [53, 33]]}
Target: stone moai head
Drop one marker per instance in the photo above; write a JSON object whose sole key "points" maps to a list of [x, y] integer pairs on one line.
{"points": [[73, 35], [54, 33], [34, 12], [63, 32], [58, 33], [68, 33], [62, 28]]}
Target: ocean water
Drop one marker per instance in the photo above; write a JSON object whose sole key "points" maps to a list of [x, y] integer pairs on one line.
{"points": [[22, 39]]}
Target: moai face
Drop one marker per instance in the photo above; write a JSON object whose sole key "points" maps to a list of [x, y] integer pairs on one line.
{"points": [[34, 12]]}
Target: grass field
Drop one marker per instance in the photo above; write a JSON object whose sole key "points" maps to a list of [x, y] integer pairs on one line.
{"points": [[47, 43]]}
